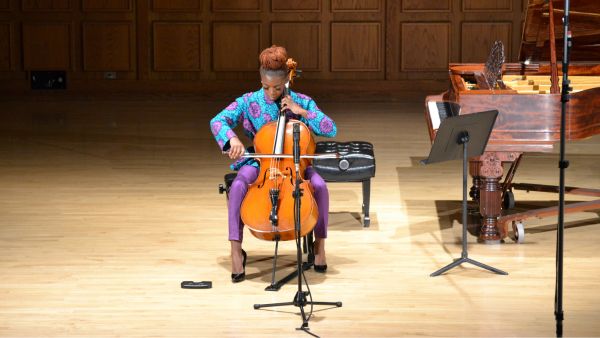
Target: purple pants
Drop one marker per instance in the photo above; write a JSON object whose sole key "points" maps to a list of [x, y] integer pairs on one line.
{"points": [[248, 174]]}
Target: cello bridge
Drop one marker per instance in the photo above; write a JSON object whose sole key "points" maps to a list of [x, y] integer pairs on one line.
{"points": [[275, 173]]}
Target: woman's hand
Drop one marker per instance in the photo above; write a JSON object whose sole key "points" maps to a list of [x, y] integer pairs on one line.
{"points": [[236, 149], [288, 103]]}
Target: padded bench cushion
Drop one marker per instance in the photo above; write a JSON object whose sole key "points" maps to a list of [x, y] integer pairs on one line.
{"points": [[356, 164]]}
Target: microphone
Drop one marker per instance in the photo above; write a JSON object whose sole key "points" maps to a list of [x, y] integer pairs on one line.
{"points": [[297, 146]]}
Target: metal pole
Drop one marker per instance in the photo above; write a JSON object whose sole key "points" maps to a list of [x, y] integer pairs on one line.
{"points": [[562, 164]]}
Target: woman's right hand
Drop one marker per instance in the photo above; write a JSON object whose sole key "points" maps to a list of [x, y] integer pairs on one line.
{"points": [[236, 149]]}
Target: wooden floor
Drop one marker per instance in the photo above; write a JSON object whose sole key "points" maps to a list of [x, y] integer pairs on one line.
{"points": [[106, 206]]}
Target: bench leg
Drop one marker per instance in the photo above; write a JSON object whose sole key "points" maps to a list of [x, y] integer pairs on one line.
{"points": [[366, 187]]}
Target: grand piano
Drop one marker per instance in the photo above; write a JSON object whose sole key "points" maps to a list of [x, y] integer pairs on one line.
{"points": [[527, 96]]}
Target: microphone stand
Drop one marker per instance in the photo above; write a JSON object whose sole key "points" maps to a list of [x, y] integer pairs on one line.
{"points": [[563, 165], [300, 299]]}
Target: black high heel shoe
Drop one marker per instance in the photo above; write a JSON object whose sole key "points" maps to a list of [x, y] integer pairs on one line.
{"points": [[239, 277], [320, 268]]}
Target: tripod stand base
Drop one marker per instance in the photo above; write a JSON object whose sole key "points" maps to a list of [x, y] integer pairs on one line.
{"points": [[459, 261], [299, 301], [277, 285]]}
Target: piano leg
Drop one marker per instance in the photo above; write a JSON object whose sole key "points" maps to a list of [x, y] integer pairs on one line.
{"points": [[487, 192], [490, 196], [490, 209]]}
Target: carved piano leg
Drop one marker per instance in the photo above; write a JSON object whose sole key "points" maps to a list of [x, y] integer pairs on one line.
{"points": [[490, 197], [490, 209]]}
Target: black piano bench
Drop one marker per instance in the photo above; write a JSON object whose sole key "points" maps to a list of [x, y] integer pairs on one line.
{"points": [[357, 164]]}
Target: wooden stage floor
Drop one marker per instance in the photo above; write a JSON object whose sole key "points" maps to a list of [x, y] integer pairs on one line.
{"points": [[106, 206]]}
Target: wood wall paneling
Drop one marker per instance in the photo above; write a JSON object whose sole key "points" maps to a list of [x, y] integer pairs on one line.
{"points": [[477, 39], [177, 5], [236, 5], [106, 5], [236, 46], [106, 46], [5, 46], [46, 5], [425, 5], [203, 40], [296, 5], [177, 46], [425, 46], [355, 46], [47, 46], [302, 41], [487, 5], [355, 5]]}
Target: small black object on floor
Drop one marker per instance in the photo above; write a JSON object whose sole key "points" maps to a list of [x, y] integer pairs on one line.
{"points": [[188, 284]]}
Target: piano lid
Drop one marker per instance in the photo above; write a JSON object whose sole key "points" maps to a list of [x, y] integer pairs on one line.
{"points": [[584, 17]]}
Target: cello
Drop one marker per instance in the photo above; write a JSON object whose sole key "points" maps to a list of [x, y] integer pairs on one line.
{"points": [[268, 207]]}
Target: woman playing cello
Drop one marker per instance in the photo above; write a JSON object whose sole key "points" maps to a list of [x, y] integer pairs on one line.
{"points": [[254, 110]]}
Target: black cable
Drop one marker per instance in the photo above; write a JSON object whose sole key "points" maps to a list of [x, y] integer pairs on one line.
{"points": [[309, 295], [303, 276], [306, 284]]}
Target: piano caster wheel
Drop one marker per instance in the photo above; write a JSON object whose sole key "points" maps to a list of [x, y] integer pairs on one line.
{"points": [[518, 232], [508, 200]]}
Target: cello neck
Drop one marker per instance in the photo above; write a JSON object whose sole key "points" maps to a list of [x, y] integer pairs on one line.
{"points": [[279, 135]]}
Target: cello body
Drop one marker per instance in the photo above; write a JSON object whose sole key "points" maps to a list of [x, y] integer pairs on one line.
{"points": [[268, 207]]}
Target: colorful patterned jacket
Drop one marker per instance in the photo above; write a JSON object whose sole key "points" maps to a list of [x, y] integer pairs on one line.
{"points": [[254, 110]]}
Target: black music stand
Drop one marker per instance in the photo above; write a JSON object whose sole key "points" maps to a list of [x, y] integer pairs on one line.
{"points": [[455, 133]]}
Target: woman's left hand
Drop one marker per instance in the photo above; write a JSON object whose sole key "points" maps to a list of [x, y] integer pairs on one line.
{"points": [[288, 103]]}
